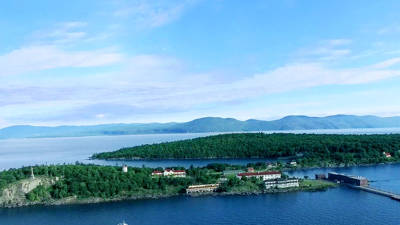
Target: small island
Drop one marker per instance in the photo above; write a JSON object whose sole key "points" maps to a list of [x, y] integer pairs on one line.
{"points": [[305, 150], [79, 183]]}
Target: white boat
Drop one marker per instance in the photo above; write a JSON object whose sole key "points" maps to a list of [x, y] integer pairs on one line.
{"points": [[123, 223]]}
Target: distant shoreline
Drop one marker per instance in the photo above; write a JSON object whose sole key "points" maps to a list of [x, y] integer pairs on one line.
{"points": [[207, 125]]}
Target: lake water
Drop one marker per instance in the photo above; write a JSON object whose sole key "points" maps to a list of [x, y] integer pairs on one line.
{"points": [[337, 206], [15, 153]]}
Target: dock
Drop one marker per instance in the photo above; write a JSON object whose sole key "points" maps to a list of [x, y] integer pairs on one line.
{"points": [[360, 183], [377, 191]]}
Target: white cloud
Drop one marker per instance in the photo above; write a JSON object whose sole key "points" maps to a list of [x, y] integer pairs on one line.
{"points": [[387, 63], [62, 33], [338, 42], [326, 50], [37, 58], [158, 85]]}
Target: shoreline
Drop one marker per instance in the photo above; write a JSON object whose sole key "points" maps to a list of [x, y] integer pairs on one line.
{"points": [[72, 200], [341, 165], [76, 201]]}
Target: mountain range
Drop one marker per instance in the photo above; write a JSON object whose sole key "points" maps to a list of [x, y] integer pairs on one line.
{"points": [[201, 125]]}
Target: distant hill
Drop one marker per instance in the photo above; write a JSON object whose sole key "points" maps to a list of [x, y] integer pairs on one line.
{"points": [[206, 124]]}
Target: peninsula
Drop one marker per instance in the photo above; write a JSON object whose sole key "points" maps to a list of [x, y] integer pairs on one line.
{"points": [[305, 150], [73, 184]]}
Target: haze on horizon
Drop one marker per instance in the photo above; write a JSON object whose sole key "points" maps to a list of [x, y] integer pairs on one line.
{"points": [[126, 61]]}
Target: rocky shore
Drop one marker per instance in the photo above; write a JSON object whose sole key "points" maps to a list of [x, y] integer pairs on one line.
{"points": [[21, 200]]}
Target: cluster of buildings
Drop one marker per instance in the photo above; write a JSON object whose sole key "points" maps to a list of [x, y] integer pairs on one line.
{"points": [[166, 172], [169, 173], [272, 179]]}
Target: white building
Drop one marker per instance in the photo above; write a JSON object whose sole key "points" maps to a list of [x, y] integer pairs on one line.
{"points": [[387, 154], [266, 175], [202, 188], [170, 172], [125, 169], [281, 183]]}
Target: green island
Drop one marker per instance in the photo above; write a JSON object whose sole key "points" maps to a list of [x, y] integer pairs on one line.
{"points": [[308, 150], [79, 183]]}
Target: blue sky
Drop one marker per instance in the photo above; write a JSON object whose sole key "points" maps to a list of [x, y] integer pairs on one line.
{"points": [[111, 61]]}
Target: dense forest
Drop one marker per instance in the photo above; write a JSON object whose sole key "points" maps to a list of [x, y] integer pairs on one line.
{"points": [[87, 181], [315, 149]]}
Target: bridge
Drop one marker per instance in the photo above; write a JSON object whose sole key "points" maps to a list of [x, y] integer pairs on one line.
{"points": [[377, 191], [360, 183]]}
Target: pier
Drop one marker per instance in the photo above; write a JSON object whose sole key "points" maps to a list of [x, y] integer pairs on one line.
{"points": [[360, 183], [377, 191]]}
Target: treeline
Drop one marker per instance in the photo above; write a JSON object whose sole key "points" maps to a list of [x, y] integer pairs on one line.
{"points": [[313, 147], [91, 181]]}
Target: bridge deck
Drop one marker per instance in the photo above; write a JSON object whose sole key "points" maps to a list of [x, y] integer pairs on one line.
{"points": [[377, 191]]}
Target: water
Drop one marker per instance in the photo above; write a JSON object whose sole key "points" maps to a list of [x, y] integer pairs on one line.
{"points": [[340, 206], [15, 153]]}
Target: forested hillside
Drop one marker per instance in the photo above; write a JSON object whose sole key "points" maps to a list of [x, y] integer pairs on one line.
{"points": [[91, 181], [314, 148], [202, 125]]}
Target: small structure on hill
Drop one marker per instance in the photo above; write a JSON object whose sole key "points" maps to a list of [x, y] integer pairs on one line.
{"points": [[202, 188], [32, 174], [125, 169], [266, 175], [250, 169], [387, 154]]}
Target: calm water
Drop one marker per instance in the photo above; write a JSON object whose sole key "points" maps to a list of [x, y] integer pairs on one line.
{"points": [[15, 153], [333, 207]]}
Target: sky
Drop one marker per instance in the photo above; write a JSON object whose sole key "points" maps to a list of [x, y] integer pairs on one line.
{"points": [[118, 61]]}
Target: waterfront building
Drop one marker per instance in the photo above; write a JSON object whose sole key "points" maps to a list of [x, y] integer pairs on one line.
{"points": [[281, 183], [348, 179], [320, 176], [125, 169], [202, 188], [266, 175]]}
